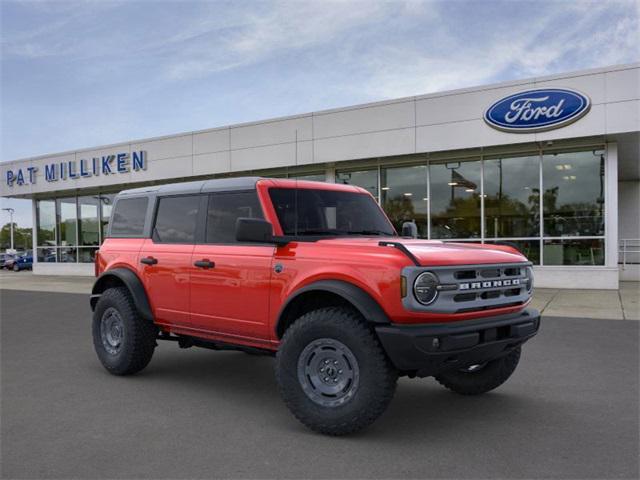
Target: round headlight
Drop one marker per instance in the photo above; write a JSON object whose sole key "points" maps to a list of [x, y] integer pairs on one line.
{"points": [[529, 274], [425, 288]]}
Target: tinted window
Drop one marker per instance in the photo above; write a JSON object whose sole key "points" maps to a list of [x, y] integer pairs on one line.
{"points": [[46, 222], [404, 197], [367, 179], [224, 209], [573, 196], [455, 199], [327, 212], [128, 218], [176, 219], [512, 197], [67, 221], [88, 224]]}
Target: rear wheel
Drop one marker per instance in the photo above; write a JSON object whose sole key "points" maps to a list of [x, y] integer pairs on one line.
{"points": [[481, 378], [332, 373], [124, 341]]}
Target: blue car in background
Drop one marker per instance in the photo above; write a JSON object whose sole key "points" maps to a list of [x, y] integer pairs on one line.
{"points": [[23, 262]]}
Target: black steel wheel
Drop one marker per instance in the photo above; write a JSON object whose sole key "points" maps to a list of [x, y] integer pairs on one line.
{"points": [[332, 372], [123, 341], [328, 372]]}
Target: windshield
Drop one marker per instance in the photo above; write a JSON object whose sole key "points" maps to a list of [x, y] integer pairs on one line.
{"points": [[328, 212]]}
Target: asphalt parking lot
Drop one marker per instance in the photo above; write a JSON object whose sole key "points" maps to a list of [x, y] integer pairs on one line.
{"points": [[569, 411]]}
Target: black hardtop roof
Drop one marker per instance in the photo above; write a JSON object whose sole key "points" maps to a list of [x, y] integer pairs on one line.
{"points": [[201, 186]]}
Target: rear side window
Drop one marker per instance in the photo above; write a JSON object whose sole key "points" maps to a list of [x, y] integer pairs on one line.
{"points": [[176, 219], [128, 217], [224, 209]]}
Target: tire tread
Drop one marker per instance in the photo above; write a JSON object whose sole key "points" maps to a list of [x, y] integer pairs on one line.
{"points": [[340, 318], [142, 342]]}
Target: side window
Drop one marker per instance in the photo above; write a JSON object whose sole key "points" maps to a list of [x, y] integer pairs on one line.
{"points": [[128, 218], [224, 209], [176, 219]]}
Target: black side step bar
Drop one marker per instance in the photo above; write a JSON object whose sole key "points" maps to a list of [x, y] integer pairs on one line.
{"points": [[403, 249]]}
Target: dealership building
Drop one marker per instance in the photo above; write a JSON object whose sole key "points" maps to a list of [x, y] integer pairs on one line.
{"points": [[549, 164]]}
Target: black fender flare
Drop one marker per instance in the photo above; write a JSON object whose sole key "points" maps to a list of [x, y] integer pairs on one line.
{"points": [[133, 284], [356, 296]]}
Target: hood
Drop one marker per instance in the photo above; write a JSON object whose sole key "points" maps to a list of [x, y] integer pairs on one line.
{"points": [[435, 252]]}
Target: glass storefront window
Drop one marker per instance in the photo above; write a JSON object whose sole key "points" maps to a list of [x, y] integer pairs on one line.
{"points": [[47, 254], [367, 179], [106, 202], [46, 222], [573, 198], [87, 254], [512, 197], [574, 252], [405, 198], [67, 254], [67, 221], [447, 192], [455, 199], [88, 223]]}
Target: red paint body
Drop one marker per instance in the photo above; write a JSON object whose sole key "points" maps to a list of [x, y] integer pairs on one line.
{"points": [[240, 299]]}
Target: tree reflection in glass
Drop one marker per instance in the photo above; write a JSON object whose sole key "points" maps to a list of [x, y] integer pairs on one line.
{"points": [[573, 198], [404, 197], [512, 197], [455, 200]]}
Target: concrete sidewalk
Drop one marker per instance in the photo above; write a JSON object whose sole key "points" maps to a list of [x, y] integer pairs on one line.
{"points": [[620, 304]]}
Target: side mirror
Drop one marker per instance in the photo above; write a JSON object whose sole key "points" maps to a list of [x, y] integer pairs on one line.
{"points": [[254, 230], [410, 229]]}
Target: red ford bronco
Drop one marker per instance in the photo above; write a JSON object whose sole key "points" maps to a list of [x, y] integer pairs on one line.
{"points": [[315, 274]]}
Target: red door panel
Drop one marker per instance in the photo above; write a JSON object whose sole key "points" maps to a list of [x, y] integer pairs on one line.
{"points": [[231, 299], [167, 281]]}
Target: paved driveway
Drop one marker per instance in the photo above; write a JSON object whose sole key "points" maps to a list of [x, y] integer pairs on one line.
{"points": [[570, 411]]}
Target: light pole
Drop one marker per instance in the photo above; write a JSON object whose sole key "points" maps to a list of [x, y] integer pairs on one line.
{"points": [[11, 212]]}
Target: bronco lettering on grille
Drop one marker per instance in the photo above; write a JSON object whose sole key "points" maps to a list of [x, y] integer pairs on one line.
{"points": [[489, 284]]}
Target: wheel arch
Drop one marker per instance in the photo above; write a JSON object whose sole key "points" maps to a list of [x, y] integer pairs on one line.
{"points": [[329, 293], [123, 277]]}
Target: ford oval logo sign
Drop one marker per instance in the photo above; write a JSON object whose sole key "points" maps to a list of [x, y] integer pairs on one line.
{"points": [[537, 110]]}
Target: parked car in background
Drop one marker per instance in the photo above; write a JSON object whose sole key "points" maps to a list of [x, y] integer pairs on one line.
{"points": [[6, 260], [23, 262]]}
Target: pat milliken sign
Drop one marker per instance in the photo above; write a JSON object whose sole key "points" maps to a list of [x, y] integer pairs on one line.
{"points": [[117, 163], [537, 110]]}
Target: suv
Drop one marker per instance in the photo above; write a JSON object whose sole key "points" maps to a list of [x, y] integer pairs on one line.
{"points": [[315, 274]]}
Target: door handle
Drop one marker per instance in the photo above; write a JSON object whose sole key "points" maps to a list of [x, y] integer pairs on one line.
{"points": [[149, 260], [204, 264]]}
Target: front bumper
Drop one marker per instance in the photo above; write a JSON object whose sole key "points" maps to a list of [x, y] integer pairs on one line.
{"points": [[426, 350]]}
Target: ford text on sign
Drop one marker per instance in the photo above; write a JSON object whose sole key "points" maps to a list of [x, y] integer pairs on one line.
{"points": [[537, 110]]}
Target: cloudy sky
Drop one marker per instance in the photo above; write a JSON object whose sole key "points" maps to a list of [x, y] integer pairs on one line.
{"points": [[80, 74]]}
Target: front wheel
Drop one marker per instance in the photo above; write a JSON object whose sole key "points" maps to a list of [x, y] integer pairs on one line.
{"points": [[16, 268], [482, 378], [124, 341], [332, 372]]}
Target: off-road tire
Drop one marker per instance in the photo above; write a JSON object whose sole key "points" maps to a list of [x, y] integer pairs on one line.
{"points": [[487, 378], [138, 337], [376, 381]]}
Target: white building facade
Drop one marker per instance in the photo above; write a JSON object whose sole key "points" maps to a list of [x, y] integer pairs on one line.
{"points": [[550, 165]]}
